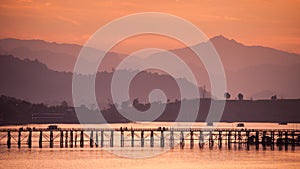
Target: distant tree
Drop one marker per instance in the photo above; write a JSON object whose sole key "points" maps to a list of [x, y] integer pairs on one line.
{"points": [[64, 104], [240, 96], [227, 95], [274, 97]]}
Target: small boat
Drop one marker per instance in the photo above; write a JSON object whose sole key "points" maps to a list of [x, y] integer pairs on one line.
{"points": [[282, 123], [209, 124], [240, 125]]}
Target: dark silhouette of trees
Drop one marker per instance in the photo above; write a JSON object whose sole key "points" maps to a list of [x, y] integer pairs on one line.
{"points": [[227, 95], [274, 97], [240, 96]]}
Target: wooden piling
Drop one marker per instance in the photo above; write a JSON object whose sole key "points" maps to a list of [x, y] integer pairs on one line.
{"points": [[8, 139], [51, 139], [201, 140], [220, 140], [41, 139], [286, 141], [142, 139], [81, 139], [257, 140], [71, 139], [248, 140], [182, 140], [229, 140], [101, 138], [272, 140], [172, 139], [151, 139], [132, 138], [30, 139], [211, 140], [66, 139], [61, 141], [19, 138], [92, 139], [191, 139], [97, 139], [264, 137], [162, 139], [111, 140]]}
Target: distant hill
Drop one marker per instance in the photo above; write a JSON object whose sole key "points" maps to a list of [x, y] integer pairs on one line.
{"points": [[251, 70], [34, 82], [14, 111]]}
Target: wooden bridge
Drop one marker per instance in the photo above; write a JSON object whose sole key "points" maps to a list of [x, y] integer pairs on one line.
{"points": [[162, 137]]}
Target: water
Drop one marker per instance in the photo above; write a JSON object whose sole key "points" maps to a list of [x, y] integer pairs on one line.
{"points": [[67, 158]]}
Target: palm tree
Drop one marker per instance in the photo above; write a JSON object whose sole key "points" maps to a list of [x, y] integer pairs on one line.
{"points": [[227, 95], [240, 96]]}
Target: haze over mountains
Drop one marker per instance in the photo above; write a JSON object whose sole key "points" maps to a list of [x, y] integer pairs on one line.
{"points": [[255, 71]]}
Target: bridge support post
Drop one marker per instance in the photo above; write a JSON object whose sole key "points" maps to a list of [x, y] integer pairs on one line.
{"points": [[293, 141], [41, 139], [286, 140], [122, 138], [151, 139], [61, 141], [279, 140], [248, 140], [111, 138], [201, 140], [81, 139], [229, 140], [182, 140], [192, 139], [66, 139], [51, 139], [211, 140], [71, 139], [239, 140], [142, 139], [172, 139], [257, 140], [264, 140], [30, 139], [92, 139], [162, 139], [132, 138], [8, 139], [97, 139], [220, 140], [272, 140], [101, 138], [19, 139]]}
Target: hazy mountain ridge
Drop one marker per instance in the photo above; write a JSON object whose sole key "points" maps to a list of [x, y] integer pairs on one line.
{"points": [[249, 69]]}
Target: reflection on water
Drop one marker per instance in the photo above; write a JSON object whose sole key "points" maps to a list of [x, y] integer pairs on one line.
{"points": [[176, 158]]}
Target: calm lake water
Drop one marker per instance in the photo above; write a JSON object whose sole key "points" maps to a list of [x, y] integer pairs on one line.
{"points": [[90, 158]]}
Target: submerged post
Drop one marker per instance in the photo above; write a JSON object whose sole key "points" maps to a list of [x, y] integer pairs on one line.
{"points": [[279, 140], [293, 140], [132, 138], [239, 139], [264, 140], [211, 140], [272, 140]]}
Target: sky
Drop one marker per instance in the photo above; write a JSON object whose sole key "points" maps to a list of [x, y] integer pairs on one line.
{"points": [[274, 24]]}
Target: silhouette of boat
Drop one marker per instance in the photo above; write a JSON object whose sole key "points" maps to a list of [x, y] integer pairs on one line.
{"points": [[240, 125]]}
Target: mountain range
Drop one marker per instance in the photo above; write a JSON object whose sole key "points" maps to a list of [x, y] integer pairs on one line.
{"points": [[42, 72]]}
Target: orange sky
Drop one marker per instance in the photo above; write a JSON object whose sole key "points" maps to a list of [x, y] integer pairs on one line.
{"points": [[269, 23]]}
